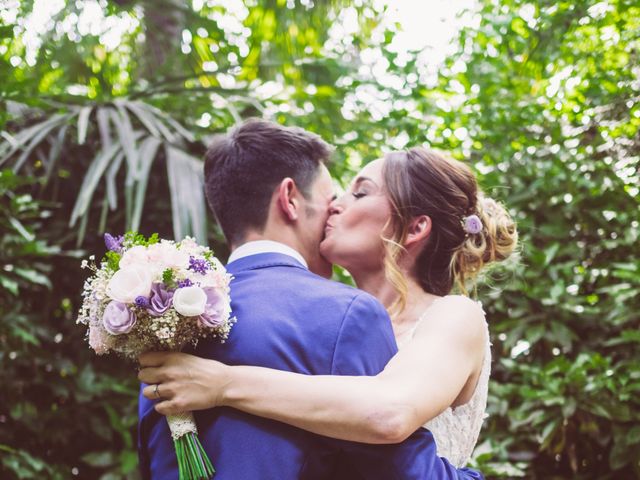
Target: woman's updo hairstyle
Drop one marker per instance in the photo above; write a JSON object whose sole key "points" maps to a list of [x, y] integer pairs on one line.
{"points": [[422, 182]]}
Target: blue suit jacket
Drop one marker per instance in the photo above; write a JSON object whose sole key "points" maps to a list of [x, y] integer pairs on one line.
{"points": [[290, 319]]}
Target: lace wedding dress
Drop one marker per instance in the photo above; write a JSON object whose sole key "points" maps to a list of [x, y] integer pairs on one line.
{"points": [[456, 430]]}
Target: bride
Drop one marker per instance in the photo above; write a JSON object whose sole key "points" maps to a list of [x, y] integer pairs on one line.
{"points": [[411, 227]]}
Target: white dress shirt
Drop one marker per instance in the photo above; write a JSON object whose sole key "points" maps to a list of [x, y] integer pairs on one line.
{"points": [[265, 246]]}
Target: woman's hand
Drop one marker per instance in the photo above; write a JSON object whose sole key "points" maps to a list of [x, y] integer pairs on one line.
{"points": [[182, 382]]}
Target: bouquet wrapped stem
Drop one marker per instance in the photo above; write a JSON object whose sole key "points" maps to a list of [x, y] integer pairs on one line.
{"points": [[193, 462]]}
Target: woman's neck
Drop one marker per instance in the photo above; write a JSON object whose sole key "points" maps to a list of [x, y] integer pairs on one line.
{"points": [[377, 284]]}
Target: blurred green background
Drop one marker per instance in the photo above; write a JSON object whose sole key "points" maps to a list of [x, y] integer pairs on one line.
{"points": [[104, 123]]}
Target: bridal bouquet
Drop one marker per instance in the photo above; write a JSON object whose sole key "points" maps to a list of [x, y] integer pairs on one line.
{"points": [[152, 294]]}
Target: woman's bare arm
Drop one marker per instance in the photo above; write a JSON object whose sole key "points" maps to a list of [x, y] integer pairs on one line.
{"points": [[419, 382]]}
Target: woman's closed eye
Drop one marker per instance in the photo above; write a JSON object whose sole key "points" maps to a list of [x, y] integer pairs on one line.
{"points": [[359, 194]]}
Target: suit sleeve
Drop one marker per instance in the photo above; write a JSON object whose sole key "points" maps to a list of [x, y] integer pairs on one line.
{"points": [[365, 341], [364, 346]]}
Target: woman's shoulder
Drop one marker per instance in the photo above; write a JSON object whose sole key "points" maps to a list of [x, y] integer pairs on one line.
{"points": [[457, 304], [455, 313]]}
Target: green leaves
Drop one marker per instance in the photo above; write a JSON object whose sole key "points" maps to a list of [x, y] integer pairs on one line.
{"points": [[19, 249], [24, 464], [129, 131], [545, 115], [186, 180], [540, 98], [115, 140]]}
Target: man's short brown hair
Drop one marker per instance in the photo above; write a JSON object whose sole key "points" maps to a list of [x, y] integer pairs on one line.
{"points": [[243, 167]]}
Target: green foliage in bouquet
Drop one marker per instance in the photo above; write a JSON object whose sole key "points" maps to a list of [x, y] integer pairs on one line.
{"points": [[168, 278], [135, 238]]}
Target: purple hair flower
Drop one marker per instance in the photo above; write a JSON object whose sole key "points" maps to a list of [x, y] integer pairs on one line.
{"points": [[185, 283], [113, 243], [160, 300], [198, 265], [472, 224]]}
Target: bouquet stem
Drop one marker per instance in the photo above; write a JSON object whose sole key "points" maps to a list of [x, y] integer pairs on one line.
{"points": [[193, 462]]}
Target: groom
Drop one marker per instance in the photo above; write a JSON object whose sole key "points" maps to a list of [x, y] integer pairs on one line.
{"points": [[270, 193]]}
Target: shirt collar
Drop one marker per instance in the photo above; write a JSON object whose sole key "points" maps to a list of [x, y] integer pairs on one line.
{"points": [[265, 246]]}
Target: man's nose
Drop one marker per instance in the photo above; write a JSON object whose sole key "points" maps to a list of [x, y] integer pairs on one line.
{"points": [[335, 207]]}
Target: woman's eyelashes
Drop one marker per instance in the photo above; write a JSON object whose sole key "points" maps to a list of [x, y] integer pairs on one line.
{"points": [[359, 194]]}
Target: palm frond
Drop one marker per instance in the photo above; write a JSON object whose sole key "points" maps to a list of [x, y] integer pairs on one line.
{"points": [[91, 180], [57, 145], [124, 132], [186, 180], [83, 123], [110, 181], [27, 139], [148, 150]]}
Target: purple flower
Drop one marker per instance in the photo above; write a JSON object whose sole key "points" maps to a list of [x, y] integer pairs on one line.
{"points": [[141, 301], [215, 309], [198, 265], [160, 300], [118, 319], [185, 283], [472, 224], [113, 243]]}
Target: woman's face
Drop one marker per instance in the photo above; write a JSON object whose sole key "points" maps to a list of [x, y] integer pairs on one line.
{"points": [[356, 222]]}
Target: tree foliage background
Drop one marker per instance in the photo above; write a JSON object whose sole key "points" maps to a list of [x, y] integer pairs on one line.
{"points": [[541, 98]]}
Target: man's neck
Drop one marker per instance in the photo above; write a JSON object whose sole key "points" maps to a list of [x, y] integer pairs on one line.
{"points": [[315, 263], [255, 236], [260, 243]]}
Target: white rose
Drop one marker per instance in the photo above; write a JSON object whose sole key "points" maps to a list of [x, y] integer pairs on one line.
{"points": [[188, 244], [135, 255], [214, 278], [217, 265], [158, 257], [206, 280], [177, 259], [189, 301], [168, 255], [155, 252], [128, 283]]}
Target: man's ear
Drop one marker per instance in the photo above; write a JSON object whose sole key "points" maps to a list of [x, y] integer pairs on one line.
{"points": [[287, 199], [419, 230]]}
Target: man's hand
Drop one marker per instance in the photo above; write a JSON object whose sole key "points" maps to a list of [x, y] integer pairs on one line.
{"points": [[182, 382]]}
